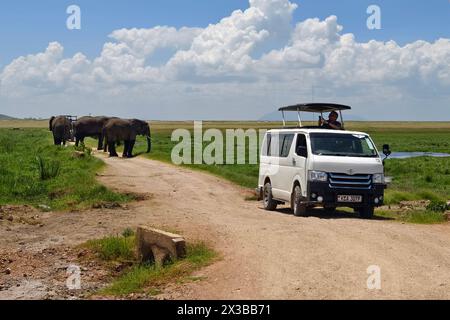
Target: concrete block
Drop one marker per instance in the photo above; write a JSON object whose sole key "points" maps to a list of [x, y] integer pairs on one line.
{"points": [[159, 246]]}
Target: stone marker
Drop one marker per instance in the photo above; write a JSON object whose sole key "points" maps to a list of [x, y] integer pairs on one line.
{"points": [[159, 246]]}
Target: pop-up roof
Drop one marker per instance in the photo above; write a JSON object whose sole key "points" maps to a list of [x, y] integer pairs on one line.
{"points": [[315, 108]]}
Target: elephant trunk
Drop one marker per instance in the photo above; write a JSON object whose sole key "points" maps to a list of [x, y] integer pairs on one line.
{"points": [[149, 144]]}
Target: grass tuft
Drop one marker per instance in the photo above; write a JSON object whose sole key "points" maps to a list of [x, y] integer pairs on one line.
{"points": [[414, 216], [438, 206], [48, 169], [114, 248]]}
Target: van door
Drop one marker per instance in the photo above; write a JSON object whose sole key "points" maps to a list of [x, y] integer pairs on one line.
{"points": [[298, 160], [283, 178]]}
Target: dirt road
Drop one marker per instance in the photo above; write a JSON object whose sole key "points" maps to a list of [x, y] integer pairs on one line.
{"points": [[264, 255]]}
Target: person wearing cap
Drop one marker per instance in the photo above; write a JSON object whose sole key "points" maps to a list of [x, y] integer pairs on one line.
{"points": [[332, 122]]}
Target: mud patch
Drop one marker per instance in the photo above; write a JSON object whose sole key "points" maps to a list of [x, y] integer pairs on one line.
{"points": [[20, 215], [44, 274]]}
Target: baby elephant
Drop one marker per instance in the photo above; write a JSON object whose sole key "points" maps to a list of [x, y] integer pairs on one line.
{"points": [[61, 128], [116, 130]]}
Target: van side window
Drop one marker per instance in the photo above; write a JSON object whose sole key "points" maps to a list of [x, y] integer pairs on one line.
{"points": [[287, 140], [267, 145], [301, 148]]}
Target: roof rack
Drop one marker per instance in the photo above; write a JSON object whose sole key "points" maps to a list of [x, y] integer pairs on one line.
{"points": [[315, 108], [71, 118]]}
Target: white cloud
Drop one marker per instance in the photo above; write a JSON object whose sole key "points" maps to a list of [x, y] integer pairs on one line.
{"points": [[246, 53]]}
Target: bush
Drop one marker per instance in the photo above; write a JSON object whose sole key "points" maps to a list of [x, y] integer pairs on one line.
{"points": [[438, 206]]}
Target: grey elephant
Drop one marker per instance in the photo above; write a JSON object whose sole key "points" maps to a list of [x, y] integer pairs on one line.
{"points": [[90, 127], [116, 130], [62, 129]]}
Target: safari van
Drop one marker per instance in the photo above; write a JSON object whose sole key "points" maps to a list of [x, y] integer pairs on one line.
{"points": [[315, 167]]}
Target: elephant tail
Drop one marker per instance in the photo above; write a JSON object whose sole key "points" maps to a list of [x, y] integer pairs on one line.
{"points": [[51, 123]]}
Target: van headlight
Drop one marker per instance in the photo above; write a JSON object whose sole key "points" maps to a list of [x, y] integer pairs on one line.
{"points": [[318, 176], [378, 178]]}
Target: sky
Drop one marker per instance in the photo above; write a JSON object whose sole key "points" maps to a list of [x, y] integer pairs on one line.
{"points": [[227, 59]]}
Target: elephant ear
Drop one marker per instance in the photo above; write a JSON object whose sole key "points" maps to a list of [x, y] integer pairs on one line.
{"points": [[51, 123]]}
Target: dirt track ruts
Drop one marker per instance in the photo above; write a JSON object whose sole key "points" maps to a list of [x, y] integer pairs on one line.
{"points": [[265, 255], [278, 256]]}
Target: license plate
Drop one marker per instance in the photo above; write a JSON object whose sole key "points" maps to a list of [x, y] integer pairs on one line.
{"points": [[350, 199]]}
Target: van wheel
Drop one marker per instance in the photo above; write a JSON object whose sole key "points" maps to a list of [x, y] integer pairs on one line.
{"points": [[269, 203], [330, 210], [298, 208], [366, 212]]}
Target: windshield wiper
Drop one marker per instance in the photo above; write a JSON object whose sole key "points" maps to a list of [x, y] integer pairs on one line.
{"points": [[334, 154], [347, 155]]}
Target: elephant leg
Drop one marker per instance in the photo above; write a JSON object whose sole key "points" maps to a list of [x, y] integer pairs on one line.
{"points": [[100, 142], [125, 148], [130, 148], [77, 142], [55, 140], [112, 149]]}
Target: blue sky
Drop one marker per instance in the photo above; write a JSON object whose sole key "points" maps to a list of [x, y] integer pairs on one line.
{"points": [[28, 26], [211, 63]]}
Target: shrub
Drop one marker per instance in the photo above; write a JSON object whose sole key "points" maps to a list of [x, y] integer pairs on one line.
{"points": [[437, 206]]}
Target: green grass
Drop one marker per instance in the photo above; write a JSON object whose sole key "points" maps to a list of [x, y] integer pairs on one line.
{"points": [[114, 248], [34, 172], [414, 216], [418, 179]]}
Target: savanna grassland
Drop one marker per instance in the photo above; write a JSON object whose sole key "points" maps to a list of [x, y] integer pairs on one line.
{"points": [[413, 179], [34, 172]]}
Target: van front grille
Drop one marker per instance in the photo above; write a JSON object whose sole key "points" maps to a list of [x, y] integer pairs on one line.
{"points": [[345, 181]]}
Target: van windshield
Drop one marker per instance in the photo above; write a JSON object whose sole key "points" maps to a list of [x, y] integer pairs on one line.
{"points": [[344, 145]]}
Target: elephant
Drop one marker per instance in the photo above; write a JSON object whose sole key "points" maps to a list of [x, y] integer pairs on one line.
{"points": [[61, 127], [90, 127], [116, 130]]}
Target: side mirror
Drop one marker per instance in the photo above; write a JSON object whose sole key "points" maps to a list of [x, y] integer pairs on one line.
{"points": [[387, 150], [302, 151]]}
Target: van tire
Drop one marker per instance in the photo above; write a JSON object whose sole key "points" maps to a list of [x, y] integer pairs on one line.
{"points": [[366, 212], [297, 206], [330, 210], [269, 203]]}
